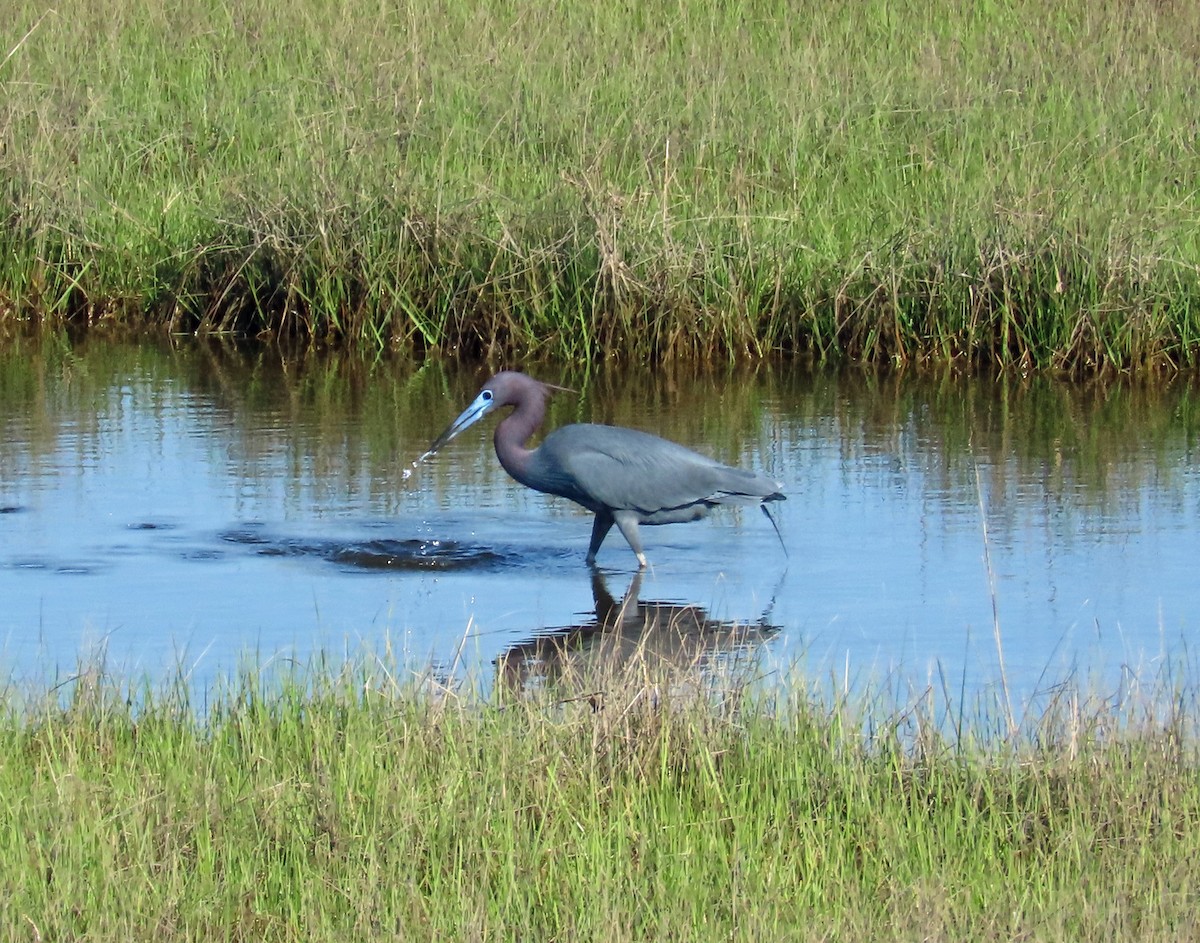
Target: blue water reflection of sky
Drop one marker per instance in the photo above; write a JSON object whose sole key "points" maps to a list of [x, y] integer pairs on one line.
{"points": [[153, 528]]}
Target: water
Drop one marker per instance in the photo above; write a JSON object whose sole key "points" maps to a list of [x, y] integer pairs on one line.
{"points": [[189, 507]]}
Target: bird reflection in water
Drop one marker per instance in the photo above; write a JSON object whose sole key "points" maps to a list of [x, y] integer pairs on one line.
{"points": [[667, 641]]}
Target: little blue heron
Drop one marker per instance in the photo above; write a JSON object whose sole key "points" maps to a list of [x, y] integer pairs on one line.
{"points": [[624, 476]]}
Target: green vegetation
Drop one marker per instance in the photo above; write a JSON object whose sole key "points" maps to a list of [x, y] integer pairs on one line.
{"points": [[338, 803], [1009, 182]]}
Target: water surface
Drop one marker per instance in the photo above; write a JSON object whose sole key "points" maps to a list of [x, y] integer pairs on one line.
{"points": [[185, 505]]}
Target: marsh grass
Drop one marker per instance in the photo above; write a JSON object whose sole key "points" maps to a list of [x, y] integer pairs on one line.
{"points": [[890, 181], [342, 801]]}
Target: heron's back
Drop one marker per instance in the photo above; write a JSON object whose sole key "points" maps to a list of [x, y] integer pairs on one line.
{"points": [[615, 468]]}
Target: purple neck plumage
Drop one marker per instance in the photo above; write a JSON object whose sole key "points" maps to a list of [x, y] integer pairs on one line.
{"points": [[518, 427]]}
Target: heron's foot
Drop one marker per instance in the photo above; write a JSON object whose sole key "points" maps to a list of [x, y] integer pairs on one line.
{"points": [[641, 557]]}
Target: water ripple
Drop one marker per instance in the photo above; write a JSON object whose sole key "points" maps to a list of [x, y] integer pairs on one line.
{"points": [[376, 554]]}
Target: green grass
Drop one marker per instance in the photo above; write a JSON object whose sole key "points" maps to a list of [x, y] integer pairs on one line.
{"points": [[339, 803], [998, 183]]}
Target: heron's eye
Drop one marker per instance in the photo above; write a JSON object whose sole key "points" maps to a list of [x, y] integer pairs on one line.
{"points": [[487, 394]]}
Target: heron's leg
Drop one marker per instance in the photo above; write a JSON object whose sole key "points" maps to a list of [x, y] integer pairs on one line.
{"points": [[628, 525], [600, 528]]}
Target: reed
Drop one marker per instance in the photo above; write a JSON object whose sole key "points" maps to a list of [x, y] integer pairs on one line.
{"points": [[890, 181], [349, 800]]}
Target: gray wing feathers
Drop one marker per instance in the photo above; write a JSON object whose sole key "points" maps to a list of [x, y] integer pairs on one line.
{"points": [[623, 468]]}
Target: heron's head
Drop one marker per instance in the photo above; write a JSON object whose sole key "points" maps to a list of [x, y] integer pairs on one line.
{"points": [[508, 388]]}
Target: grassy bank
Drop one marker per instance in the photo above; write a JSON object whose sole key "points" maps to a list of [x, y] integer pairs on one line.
{"points": [[339, 805], [1010, 182]]}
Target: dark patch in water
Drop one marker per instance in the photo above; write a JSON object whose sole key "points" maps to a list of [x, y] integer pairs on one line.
{"points": [[60, 569], [284, 549], [11, 509], [150, 525], [415, 555], [381, 554], [246, 535]]}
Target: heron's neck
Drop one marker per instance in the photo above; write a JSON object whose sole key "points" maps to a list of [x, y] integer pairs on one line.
{"points": [[514, 431]]}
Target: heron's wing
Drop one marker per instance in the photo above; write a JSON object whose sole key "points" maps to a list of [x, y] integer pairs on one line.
{"points": [[624, 468]]}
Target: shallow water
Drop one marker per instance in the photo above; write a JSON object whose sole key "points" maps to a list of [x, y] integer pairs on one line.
{"points": [[189, 506]]}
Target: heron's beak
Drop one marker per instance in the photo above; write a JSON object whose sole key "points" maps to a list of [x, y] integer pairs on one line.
{"points": [[477, 410]]}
